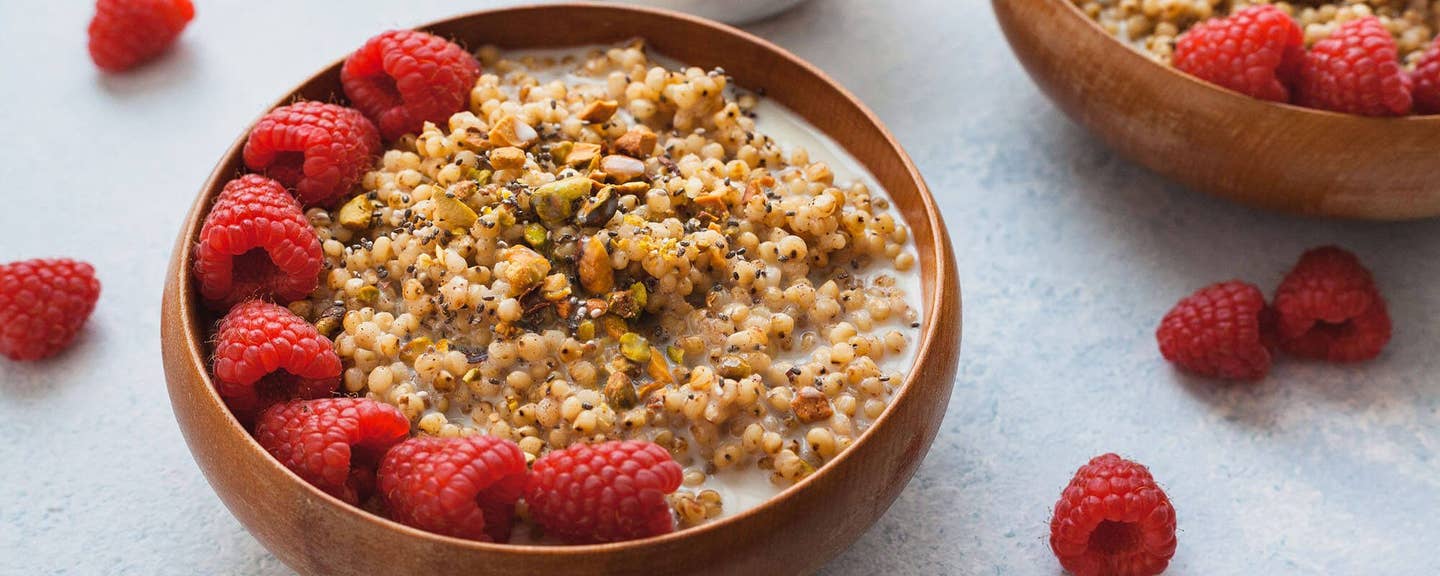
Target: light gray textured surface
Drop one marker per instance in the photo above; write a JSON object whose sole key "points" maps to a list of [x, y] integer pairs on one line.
{"points": [[1068, 256]]}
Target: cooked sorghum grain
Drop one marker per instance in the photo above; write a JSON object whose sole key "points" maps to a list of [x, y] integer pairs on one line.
{"points": [[1153, 25], [618, 254]]}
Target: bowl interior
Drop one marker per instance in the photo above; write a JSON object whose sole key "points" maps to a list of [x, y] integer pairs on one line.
{"points": [[754, 64]]}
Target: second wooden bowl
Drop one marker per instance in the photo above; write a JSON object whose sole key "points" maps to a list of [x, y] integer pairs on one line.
{"points": [[793, 533], [1258, 153]]}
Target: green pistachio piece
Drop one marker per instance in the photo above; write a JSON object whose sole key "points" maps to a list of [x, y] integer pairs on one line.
{"points": [[634, 347]]}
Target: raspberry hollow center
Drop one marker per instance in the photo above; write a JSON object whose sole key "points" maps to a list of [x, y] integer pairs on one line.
{"points": [[254, 270], [288, 167], [385, 90], [1113, 538]]}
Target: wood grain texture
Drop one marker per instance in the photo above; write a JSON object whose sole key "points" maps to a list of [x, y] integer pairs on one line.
{"points": [[794, 533], [1258, 153]]}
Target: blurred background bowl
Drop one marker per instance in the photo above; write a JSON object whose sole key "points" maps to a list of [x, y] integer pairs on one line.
{"points": [[728, 11], [1262, 154]]}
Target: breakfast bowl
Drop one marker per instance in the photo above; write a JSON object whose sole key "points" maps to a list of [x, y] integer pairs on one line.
{"points": [[793, 532], [1263, 154]]}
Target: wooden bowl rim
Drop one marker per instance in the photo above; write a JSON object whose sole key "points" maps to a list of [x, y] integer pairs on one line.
{"points": [[938, 247], [1135, 55]]}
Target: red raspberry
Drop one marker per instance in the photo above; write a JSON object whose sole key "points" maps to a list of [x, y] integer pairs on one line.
{"points": [[265, 354], [464, 487], [44, 303], [1218, 332], [127, 33], [1256, 51], [603, 493], [1427, 81], [1357, 71], [319, 149], [403, 78], [256, 243], [1113, 519], [335, 444], [1329, 308]]}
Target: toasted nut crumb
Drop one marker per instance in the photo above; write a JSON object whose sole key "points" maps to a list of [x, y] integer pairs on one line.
{"points": [[810, 405], [599, 110], [356, 214], [510, 131], [582, 153], [507, 158], [596, 275], [622, 169], [639, 142]]}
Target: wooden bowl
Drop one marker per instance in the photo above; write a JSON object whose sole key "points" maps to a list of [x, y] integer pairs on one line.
{"points": [[793, 533], [1258, 153]]}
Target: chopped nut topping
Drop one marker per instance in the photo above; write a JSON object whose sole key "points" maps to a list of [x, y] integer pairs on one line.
{"points": [[810, 405], [622, 169], [599, 110], [507, 158], [510, 131], [639, 142]]}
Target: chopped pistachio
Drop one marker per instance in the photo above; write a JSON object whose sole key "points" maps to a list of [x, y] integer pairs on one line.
{"points": [[414, 349], [676, 354], [452, 214], [560, 150], [585, 331], [536, 234], [330, 321], [553, 202], [598, 210], [619, 391], [732, 366], [479, 175], [357, 213], [638, 292], [634, 347], [472, 375], [368, 294]]}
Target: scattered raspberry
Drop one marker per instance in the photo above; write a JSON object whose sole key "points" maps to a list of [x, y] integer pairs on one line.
{"points": [[265, 354], [403, 78], [319, 149], [603, 493], [1427, 81], [1357, 71], [1256, 51], [1112, 519], [1218, 332], [256, 242], [464, 487], [334, 444], [1329, 308], [127, 33], [44, 303]]}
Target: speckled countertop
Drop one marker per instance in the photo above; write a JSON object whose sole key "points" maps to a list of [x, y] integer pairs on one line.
{"points": [[1069, 255]]}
